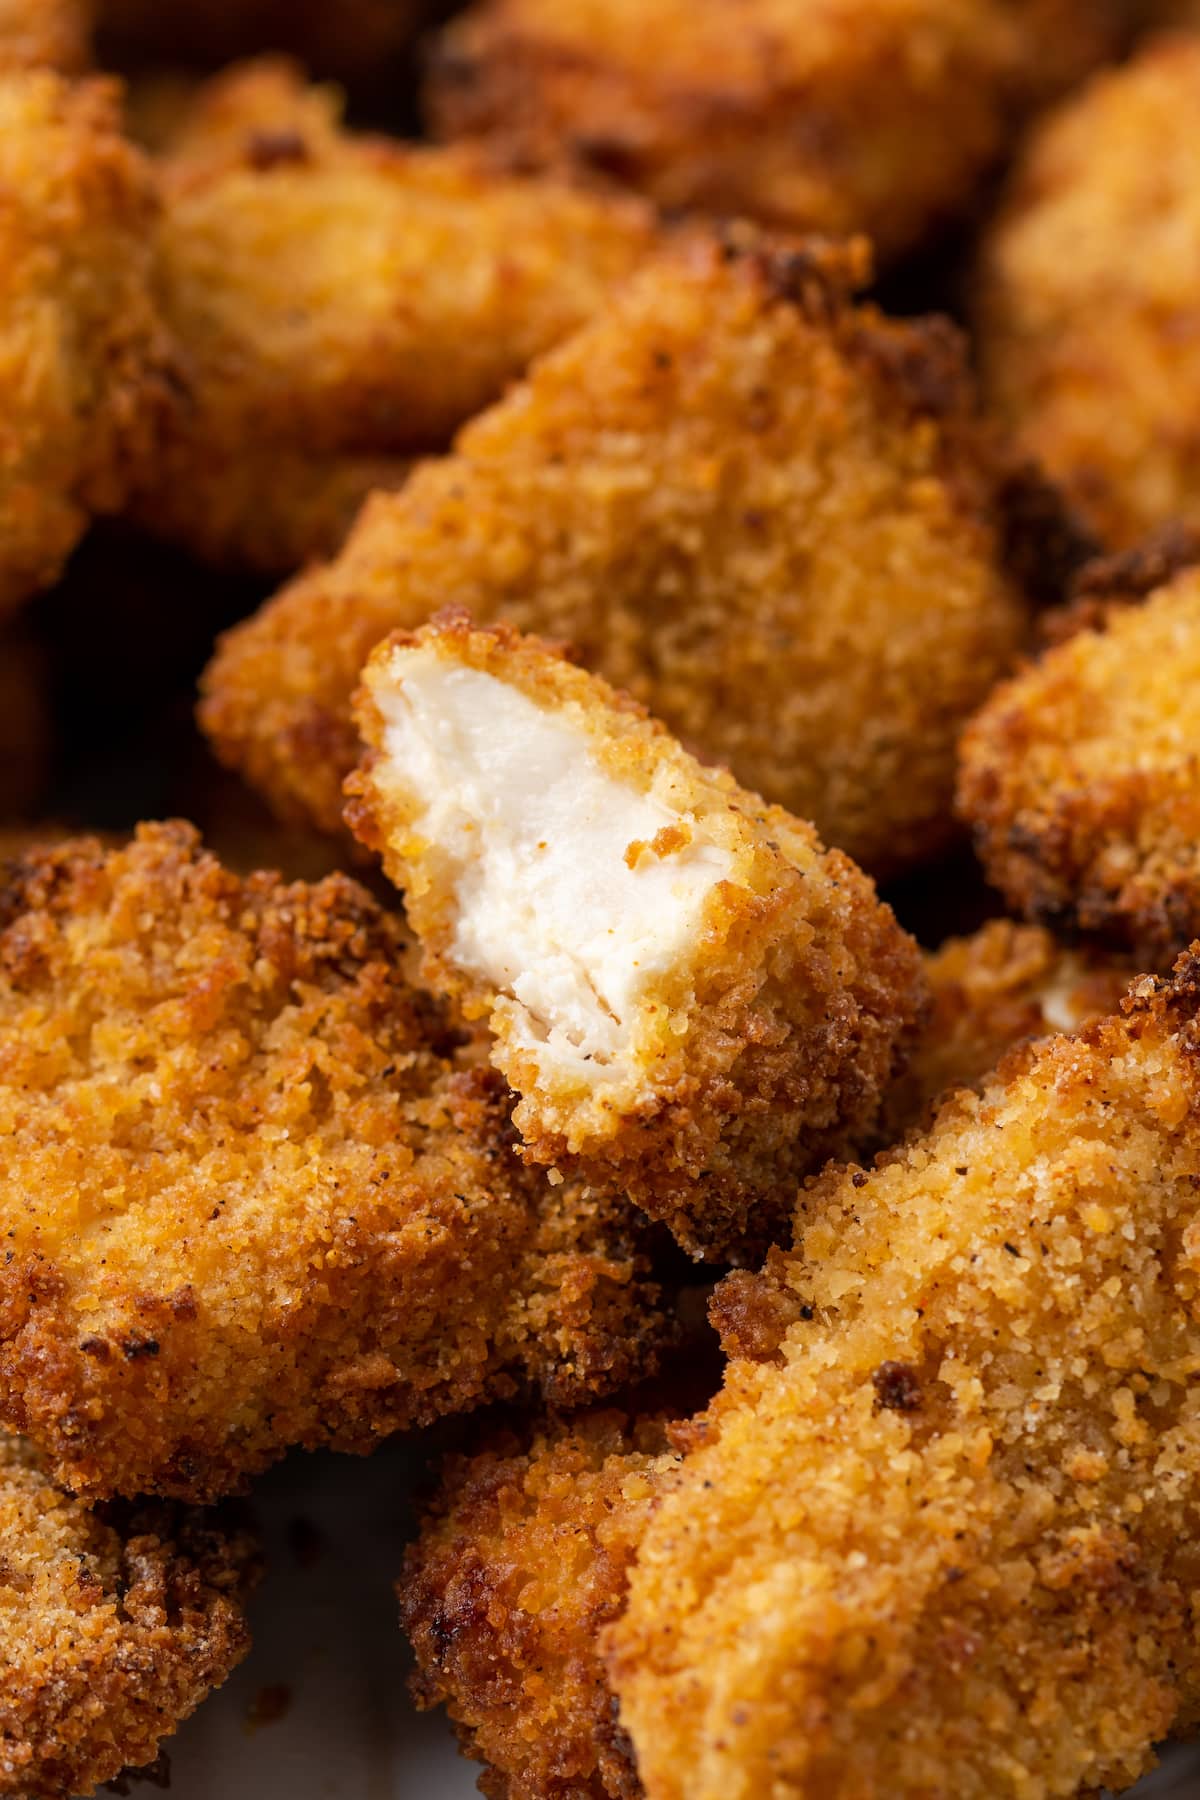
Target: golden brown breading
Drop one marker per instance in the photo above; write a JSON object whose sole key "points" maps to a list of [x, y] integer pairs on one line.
{"points": [[357, 41], [1086, 295], [1079, 774], [51, 33], [941, 1540], [823, 115], [768, 513], [81, 348], [521, 1564], [114, 1625], [694, 1000], [255, 1197], [341, 303], [1004, 984]]}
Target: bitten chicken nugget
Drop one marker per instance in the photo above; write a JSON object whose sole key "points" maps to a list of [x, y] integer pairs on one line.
{"points": [[1086, 295], [692, 997], [341, 303], [767, 513], [255, 1195], [941, 1540], [114, 1625], [1004, 984], [1079, 774], [51, 33], [818, 115], [521, 1564], [81, 347]]}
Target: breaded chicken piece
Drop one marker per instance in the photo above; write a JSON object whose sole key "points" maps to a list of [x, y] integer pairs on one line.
{"points": [[523, 1560], [51, 33], [357, 41], [941, 1541], [256, 1194], [769, 514], [341, 303], [114, 1625], [1079, 775], [817, 115], [1085, 295], [1004, 984], [692, 997], [81, 347]]}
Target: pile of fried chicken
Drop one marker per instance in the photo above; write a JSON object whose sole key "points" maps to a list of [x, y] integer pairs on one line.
{"points": [[601, 731]]}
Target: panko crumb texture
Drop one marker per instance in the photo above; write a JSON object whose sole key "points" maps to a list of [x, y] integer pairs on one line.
{"points": [[940, 1538], [114, 1625], [1078, 776], [769, 514], [765, 1042], [258, 1191]]}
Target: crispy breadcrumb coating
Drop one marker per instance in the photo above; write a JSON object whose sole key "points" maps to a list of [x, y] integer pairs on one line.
{"points": [[1086, 295], [823, 115], [81, 348], [767, 513], [1000, 986], [52, 33], [693, 999], [255, 1196], [522, 1562], [1079, 774], [342, 303], [941, 1540], [114, 1625]]}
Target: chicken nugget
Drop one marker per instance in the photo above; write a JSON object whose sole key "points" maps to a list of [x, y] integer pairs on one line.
{"points": [[82, 351], [522, 1562], [1086, 295], [51, 33], [693, 999], [259, 1191], [827, 115], [769, 514], [1004, 984], [341, 303], [941, 1540], [1079, 775], [114, 1626]]}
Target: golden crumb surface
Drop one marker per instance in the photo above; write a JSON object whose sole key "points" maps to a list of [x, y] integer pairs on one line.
{"points": [[753, 1050], [342, 303], [114, 1625], [81, 348], [257, 1191], [939, 1541], [53, 34], [522, 1562], [1079, 775], [767, 513], [827, 115], [1003, 985], [1086, 294]]}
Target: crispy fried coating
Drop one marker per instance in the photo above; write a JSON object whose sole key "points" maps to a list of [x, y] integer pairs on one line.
{"points": [[341, 303], [828, 115], [941, 1540], [114, 1626], [521, 1564], [1079, 775], [81, 347], [1085, 295], [693, 998], [768, 513], [256, 1193], [54, 34], [1004, 984]]}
